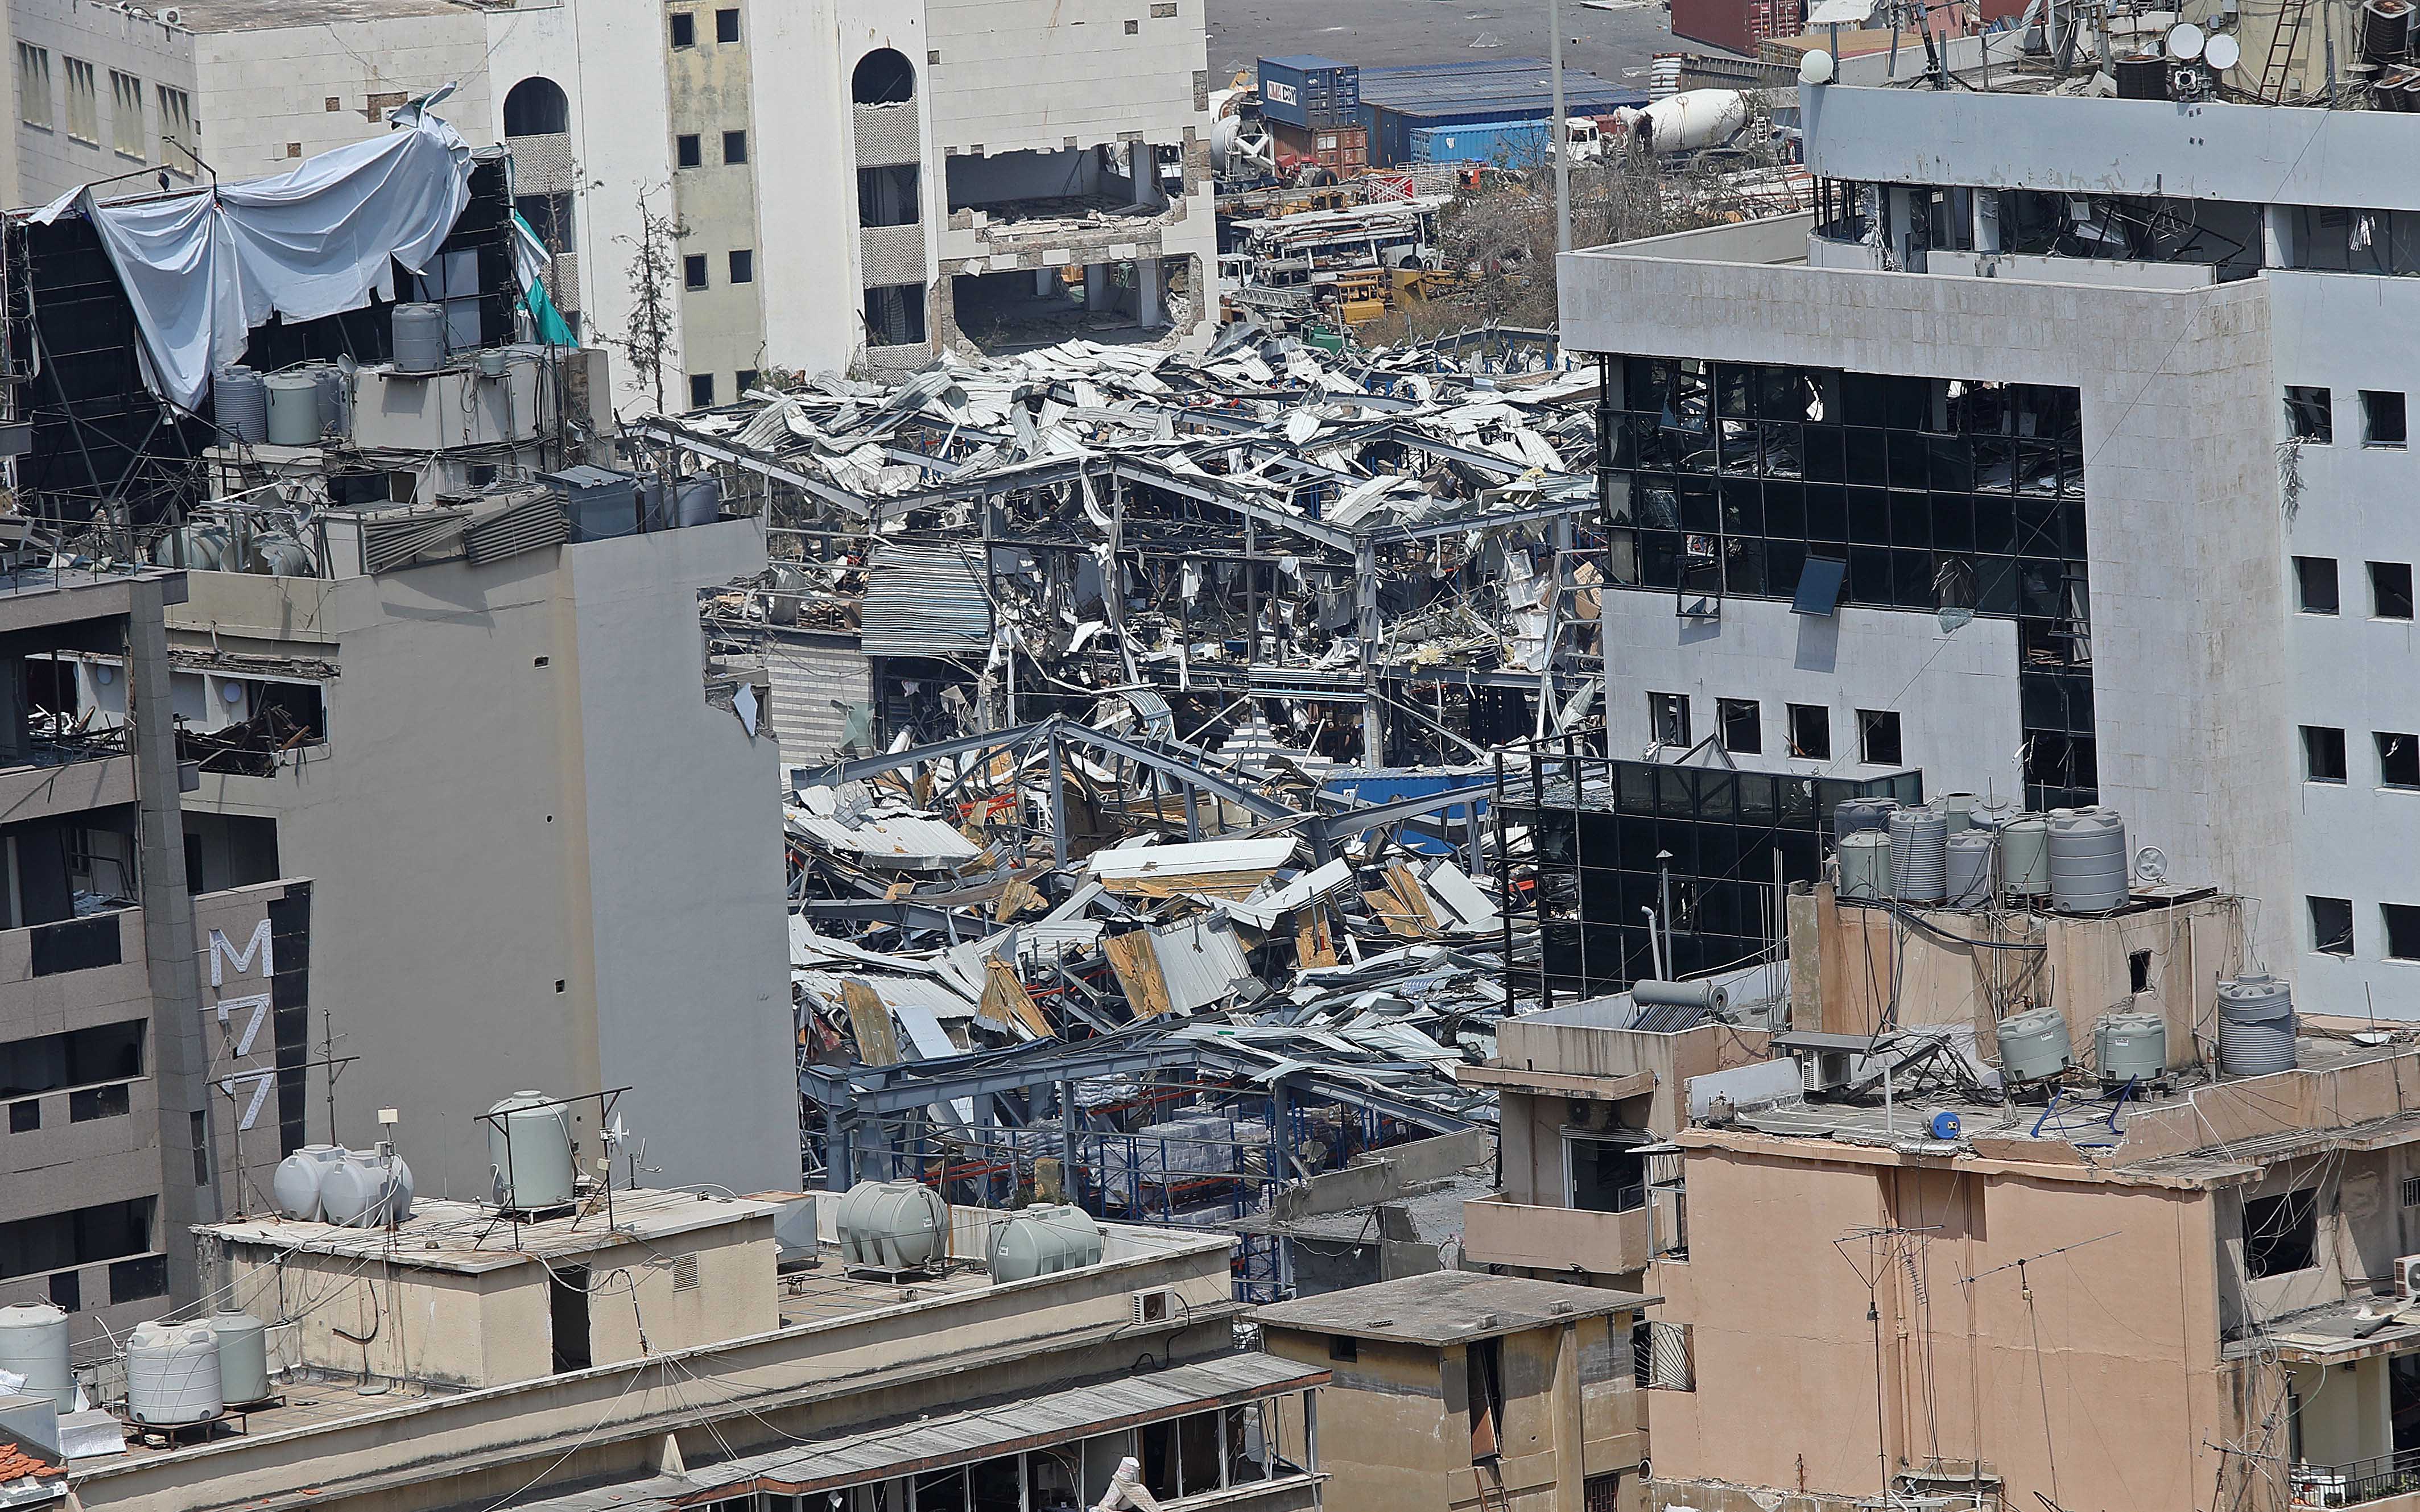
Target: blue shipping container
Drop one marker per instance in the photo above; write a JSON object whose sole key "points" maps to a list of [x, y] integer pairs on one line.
{"points": [[1498, 144], [1310, 91]]}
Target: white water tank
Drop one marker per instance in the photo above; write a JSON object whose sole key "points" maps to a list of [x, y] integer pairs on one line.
{"points": [[2024, 856], [529, 1146], [700, 499], [34, 1344], [1919, 868], [296, 1185], [2128, 1047], [2090, 867], [171, 1374], [1042, 1240], [2034, 1045], [1854, 814], [419, 337], [1967, 862], [240, 402], [367, 1189], [891, 1226], [1959, 809], [2256, 1026], [1866, 866], [244, 1356], [295, 409]]}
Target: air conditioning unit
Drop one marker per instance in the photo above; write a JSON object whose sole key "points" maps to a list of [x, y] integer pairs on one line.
{"points": [[1156, 1308], [2407, 1278]]}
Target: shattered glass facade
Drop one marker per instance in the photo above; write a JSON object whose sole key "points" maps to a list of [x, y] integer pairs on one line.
{"points": [[1723, 479]]}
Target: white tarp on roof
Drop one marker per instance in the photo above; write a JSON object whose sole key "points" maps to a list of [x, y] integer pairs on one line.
{"points": [[202, 269]]}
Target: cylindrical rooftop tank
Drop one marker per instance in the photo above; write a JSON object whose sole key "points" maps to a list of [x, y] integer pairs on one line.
{"points": [[1854, 815], [296, 1185], [2089, 863], [1967, 861], [2256, 1026], [34, 1344], [244, 1356], [2024, 856], [279, 554], [294, 417], [1866, 866], [529, 1146], [657, 502], [171, 1374], [1712, 996], [1918, 867], [240, 401], [335, 384], [700, 499], [893, 1225], [493, 362], [419, 338], [2034, 1045], [1043, 1240], [1994, 814], [1959, 809], [2127, 1046], [366, 1189]]}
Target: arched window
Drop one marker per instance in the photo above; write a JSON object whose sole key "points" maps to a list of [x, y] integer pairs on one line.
{"points": [[883, 78], [537, 107]]}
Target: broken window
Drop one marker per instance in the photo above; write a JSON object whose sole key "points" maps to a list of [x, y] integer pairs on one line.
{"points": [[2309, 415], [2381, 418], [1660, 1356], [548, 216], [693, 270], [700, 390], [2323, 753], [686, 152], [888, 196], [1482, 1374], [2281, 1233], [735, 146], [2389, 589], [895, 315], [2398, 759], [2315, 585], [2402, 931], [2331, 925], [1811, 731], [1878, 737], [726, 25], [1606, 1175], [538, 107], [1741, 725], [1667, 718], [883, 77], [684, 28]]}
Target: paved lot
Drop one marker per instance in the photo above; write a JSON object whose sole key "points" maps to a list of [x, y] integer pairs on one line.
{"points": [[1613, 44]]}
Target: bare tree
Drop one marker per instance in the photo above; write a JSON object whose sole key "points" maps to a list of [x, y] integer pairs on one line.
{"points": [[648, 338]]}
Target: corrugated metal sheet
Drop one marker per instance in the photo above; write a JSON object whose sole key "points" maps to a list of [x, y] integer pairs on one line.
{"points": [[811, 680], [1201, 962], [926, 602], [909, 840]]}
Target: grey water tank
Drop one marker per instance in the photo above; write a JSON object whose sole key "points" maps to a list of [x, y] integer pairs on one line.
{"points": [[2256, 1026], [494, 361], [278, 554], [700, 499], [1044, 1240], [1919, 872], [2127, 1046], [419, 337], [171, 1374], [244, 1356], [367, 1189], [294, 417], [2025, 854], [656, 502], [1854, 815], [300, 1176], [2034, 1045], [335, 385], [1958, 808], [2089, 862], [240, 401], [529, 1150], [1866, 866], [891, 1226], [34, 1344], [1967, 862]]}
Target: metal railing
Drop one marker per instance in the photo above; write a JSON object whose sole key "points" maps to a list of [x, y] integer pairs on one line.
{"points": [[2363, 1480]]}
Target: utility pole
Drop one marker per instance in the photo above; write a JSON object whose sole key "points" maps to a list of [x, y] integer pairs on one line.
{"points": [[1562, 132]]}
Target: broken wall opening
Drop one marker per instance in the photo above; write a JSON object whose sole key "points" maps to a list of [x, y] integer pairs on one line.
{"points": [[1011, 311]]}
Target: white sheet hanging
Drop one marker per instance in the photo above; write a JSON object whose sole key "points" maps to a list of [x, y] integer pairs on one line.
{"points": [[204, 267]]}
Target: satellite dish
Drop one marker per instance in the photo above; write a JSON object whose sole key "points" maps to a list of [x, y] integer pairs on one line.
{"points": [[2222, 52], [2184, 41], [2151, 864]]}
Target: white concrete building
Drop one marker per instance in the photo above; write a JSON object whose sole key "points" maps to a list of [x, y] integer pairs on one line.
{"points": [[2142, 411]]}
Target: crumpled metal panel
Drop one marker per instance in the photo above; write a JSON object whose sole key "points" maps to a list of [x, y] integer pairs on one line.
{"points": [[924, 601]]}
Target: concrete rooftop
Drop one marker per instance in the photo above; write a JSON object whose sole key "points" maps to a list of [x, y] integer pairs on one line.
{"points": [[1446, 1308]]}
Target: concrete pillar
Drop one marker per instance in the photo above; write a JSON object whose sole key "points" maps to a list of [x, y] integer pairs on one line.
{"points": [[1987, 221], [1147, 312], [1096, 287], [1571, 1430], [1143, 166], [1045, 283], [2278, 249]]}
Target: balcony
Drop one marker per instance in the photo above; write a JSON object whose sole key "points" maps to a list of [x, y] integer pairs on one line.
{"points": [[2390, 1483], [68, 771], [1498, 1232]]}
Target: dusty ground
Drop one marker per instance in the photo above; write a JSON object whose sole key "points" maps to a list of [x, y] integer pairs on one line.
{"points": [[1612, 45]]}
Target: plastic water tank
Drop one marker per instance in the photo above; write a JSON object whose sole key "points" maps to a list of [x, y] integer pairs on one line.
{"points": [[296, 1185], [2089, 862], [2024, 856], [494, 361], [244, 1356], [2256, 1026], [700, 499], [1866, 866], [891, 1226], [419, 338], [368, 1188], [657, 502], [1043, 1240], [278, 554], [335, 386], [171, 1374], [294, 418], [1854, 815], [1919, 872], [1958, 808], [2129, 1046], [2034, 1045], [529, 1144], [1967, 867], [34, 1344], [240, 401]]}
